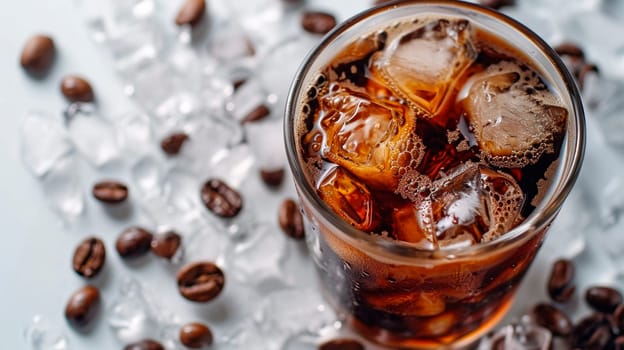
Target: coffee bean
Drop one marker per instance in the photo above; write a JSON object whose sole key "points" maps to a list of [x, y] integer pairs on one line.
{"points": [[598, 340], [603, 299], [173, 143], [191, 12], [272, 178], [256, 114], [38, 55], [583, 332], [583, 71], [618, 343], [89, 257], [618, 317], [497, 4], [200, 281], [82, 306], [195, 336], [111, 192], [133, 242], [561, 281], [76, 89], [317, 22], [238, 83], [146, 344], [342, 344], [221, 199], [290, 219], [571, 50], [166, 245], [553, 319]]}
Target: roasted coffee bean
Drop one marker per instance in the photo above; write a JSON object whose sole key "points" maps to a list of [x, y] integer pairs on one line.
{"points": [[111, 192], [173, 143], [342, 344], [497, 4], [146, 344], [290, 219], [221, 199], [553, 319], [618, 343], [570, 50], [38, 55], [618, 317], [238, 83], [191, 12], [561, 281], [317, 22], [76, 89], [586, 327], [583, 71], [598, 340], [257, 114], [195, 336], [166, 245], [200, 281], [133, 242], [82, 306], [89, 257], [603, 299], [272, 178]]}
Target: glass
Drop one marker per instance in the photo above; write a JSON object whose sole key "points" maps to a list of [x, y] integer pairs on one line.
{"points": [[400, 295]]}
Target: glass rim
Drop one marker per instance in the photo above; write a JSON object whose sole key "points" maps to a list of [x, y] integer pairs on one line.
{"points": [[535, 221]]}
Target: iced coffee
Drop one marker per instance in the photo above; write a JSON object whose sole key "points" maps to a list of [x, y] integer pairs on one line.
{"points": [[428, 146]]}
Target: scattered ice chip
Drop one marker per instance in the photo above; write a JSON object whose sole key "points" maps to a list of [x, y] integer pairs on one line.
{"points": [[147, 176], [93, 136], [43, 141], [234, 164], [207, 243], [182, 191], [266, 141], [134, 133], [349, 198], [566, 237], [245, 99], [372, 139], [301, 342], [474, 204], [423, 64], [230, 43], [538, 21], [258, 256], [523, 335], [62, 188], [514, 117], [40, 334]]}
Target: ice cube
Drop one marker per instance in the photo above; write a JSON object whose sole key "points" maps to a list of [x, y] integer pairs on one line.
{"points": [[349, 198], [182, 191], [147, 177], [372, 139], [523, 335], [43, 141], [93, 136], [266, 141], [233, 164], [474, 204], [258, 257], [40, 334], [407, 303], [514, 117], [230, 43], [63, 189], [407, 226], [134, 133], [249, 96], [423, 64]]}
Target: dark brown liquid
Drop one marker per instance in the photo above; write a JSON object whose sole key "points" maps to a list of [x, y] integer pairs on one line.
{"points": [[411, 161]]}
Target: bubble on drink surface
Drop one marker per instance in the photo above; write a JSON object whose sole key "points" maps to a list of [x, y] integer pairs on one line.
{"points": [[373, 139], [40, 334], [514, 117], [422, 65], [349, 198]]}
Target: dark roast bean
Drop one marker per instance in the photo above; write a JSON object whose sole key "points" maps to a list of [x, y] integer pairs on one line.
{"points": [[191, 12], [38, 55], [290, 219], [146, 344], [133, 242], [173, 143], [317, 22], [272, 178], [553, 319], [166, 245], [221, 199], [342, 344], [238, 83], [82, 306], [598, 340], [200, 281], [618, 317], [603, 299], [561, 281], [583, 71], [257, 114], [76, 89], [195, 336], [111, 192], [497, 4], [584, 331], [618, 343], [89, 257], [570, 50]]}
